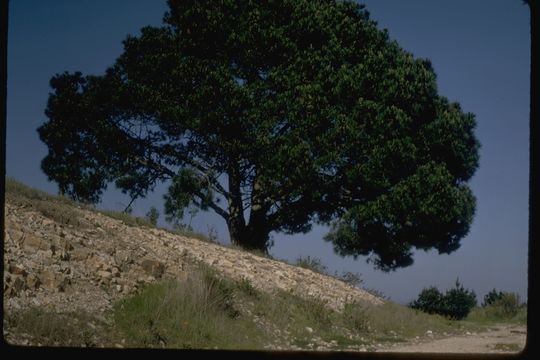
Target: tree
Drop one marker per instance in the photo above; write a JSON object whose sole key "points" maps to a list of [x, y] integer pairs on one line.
{"points": [[275, 115]]}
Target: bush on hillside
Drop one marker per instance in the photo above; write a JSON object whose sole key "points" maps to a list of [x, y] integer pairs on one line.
{"points": [[456, 303], [312, 263]]}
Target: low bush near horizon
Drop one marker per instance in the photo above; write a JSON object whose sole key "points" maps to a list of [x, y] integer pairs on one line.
{"points": [[455, 303]]}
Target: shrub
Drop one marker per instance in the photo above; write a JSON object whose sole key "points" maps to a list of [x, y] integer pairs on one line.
{"points": [[505, 306], [353, 279], [429, 300], [153, 215], [356, 317], [491, 297], [456, 303], [376, 292], [314, 264]]}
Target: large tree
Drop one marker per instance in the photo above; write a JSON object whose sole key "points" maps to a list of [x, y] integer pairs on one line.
{"points": [[274, 114]]}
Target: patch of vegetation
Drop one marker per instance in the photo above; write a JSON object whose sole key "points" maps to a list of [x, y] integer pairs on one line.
{"points": [[312, 263], [17, 189], [348, 277], [152, 215], [493, 314], [190, 233], [207, 311], [51, 206], [500, 306], [456, 303], [195, 314], [127, 219], [403, 322], [50, 328], [315, 264], [375, 292]]}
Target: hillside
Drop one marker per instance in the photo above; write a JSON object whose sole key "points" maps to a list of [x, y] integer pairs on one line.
{"points": [[72, 273], [82, 258]]}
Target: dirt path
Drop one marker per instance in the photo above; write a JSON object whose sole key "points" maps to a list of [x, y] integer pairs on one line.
{"points": [[498, 339]]}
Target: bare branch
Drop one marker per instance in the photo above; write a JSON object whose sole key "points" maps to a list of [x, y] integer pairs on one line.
{"points": [[221, 212]]}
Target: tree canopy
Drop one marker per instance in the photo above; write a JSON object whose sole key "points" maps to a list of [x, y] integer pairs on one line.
{"points": [[276, 115]]}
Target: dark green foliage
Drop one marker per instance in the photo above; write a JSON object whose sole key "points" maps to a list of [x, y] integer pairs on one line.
{"points": [[456, 303], [429, 300], [153, 215], [291, 112]]}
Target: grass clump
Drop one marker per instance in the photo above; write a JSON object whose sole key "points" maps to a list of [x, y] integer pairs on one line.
{"points": [[312, 263], [17, 189], [51, 206], [196, 313], [207, 311], [500, 306], [128, 219], [51, 328], [394, 319], [493, 314]]}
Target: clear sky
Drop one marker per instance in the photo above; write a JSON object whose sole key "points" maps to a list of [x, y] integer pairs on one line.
{"points": [[480, 51]]}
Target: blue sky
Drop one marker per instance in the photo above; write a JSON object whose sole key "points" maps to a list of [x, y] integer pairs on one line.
{"points": [[480, 51]]}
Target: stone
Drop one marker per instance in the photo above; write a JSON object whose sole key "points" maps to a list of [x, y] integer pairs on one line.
{"points": [[47, 222], [115, 271], [18, 283], [104, 274], [79, 254], [54, 281], [33, 282], [16, 270], [153, 268], [64, 255], [32, 243]]}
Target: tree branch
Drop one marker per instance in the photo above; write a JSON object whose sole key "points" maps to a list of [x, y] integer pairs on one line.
{"points": [[214, 207]]}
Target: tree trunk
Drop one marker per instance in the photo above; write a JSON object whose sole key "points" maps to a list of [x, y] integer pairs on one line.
{"points": [[258, 226], [249, 238], [236, 221], [254, 235]]}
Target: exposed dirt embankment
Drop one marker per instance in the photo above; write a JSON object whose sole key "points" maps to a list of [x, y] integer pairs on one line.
{"points": [[88, 260]]}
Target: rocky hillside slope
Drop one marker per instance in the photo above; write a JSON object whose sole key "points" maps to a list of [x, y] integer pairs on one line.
{"points": [[65, 257]]}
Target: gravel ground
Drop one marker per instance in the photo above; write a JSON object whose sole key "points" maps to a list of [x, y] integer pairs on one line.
{"points": [[498, 339]]}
